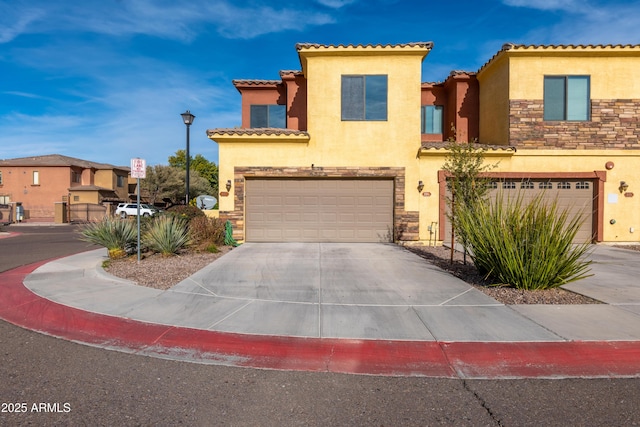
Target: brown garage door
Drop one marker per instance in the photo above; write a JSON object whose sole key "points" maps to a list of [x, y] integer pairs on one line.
{"points": [[575, 195], [310, 210]]}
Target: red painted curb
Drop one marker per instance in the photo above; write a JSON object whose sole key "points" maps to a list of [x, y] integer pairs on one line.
{"points": [[23, 308]]}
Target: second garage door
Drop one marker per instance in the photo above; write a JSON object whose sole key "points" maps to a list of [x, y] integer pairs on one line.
{"points": [[327, 210], [575, 196]]}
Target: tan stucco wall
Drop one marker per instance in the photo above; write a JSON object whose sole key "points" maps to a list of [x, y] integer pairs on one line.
{"points": [[624, 210], [519, 75], [334, 142], [494, 102], [611, 77], [38, 200], [108, 178]]}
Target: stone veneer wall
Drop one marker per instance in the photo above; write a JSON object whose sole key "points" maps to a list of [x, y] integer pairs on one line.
{"points": [[406, 223], [614, 124]]}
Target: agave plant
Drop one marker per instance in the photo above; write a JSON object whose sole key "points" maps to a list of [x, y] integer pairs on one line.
{"points": [[525, 245], [167, 235], [116, 235]]}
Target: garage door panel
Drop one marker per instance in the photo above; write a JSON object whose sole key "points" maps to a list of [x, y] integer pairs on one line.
{"points": [[575, 196], [349, 210]]}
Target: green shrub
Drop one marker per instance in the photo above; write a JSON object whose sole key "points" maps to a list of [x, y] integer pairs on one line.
{"points": [[114, 234], [187, 212], [167, 235], [527, 246]]}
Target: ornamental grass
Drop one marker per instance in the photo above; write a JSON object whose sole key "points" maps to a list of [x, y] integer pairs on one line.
{"points": [[112, 233], [524, 245], [167, 235]]}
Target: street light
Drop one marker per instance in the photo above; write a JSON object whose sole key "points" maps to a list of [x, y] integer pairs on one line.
{"points": [[187, 118]]}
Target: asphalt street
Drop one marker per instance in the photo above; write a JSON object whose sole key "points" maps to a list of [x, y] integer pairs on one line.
{"points": [[48, 381]]}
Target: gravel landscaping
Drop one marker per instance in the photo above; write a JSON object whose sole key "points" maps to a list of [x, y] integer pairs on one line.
{"points": [[160, 272]]}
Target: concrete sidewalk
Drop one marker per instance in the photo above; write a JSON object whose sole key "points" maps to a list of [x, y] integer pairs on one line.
{"points": [[297, 306]]}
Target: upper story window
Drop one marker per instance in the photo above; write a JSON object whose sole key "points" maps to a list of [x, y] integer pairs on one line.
{"points": [[0, 177], [566, 97], [76, 177], [120, 181], [36, 178], [364, 97], [269, 116], [431, 119]]}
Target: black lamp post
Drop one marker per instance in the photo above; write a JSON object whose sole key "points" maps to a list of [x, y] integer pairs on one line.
{"points": [[187, 118]]}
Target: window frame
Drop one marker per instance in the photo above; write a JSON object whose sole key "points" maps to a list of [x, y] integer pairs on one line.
{"points": [[431, 110], [361, 102], [35, 177], [270, 113], [564, 102]]}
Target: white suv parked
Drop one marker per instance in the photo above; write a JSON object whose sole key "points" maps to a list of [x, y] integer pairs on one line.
{"points": [[126, 209]]}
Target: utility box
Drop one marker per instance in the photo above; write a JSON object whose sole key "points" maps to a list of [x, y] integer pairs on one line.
{"points": [[60, 213], [19, 212]]}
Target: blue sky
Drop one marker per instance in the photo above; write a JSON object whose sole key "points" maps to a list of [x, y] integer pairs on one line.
{"points": [[106, 80]]}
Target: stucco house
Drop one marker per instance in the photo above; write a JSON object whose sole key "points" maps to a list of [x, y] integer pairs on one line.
{"points": [[41, 184], [351, 147]]}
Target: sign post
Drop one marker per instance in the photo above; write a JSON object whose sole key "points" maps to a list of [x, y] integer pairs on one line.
{"points": [[138, 170]]}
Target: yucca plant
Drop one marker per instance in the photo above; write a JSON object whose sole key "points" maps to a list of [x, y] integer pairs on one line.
{"points": [[167, 235], [524, 245], [114, 234]]}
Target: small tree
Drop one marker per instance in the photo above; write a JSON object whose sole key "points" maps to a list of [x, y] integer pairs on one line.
{"points": [[207, 169], [467, 185], [167, 182]]}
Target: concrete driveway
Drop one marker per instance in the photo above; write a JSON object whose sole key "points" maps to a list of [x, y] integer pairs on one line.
{"points": [[338, 290], [356, 291]]}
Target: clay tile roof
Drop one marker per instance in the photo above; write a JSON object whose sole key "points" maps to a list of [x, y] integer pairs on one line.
{"points": [[58, 160], [508, 46], [287, 72], [445, 144], [560, 47], [255, 131], [426, 45], [255, 82]]}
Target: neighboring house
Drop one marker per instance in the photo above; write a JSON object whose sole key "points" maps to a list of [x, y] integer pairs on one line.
{"points": [[351, 147], [39, 183]]}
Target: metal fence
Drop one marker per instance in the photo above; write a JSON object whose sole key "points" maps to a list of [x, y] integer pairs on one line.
{"points": [[86, 212], [6, 214]]}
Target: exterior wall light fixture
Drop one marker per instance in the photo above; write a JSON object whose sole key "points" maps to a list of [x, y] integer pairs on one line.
{"points": [[623, 186], [420, 186], [228, 185]]}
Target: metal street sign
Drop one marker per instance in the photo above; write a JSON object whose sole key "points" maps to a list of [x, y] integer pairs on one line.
{"points": [[138, 168]]}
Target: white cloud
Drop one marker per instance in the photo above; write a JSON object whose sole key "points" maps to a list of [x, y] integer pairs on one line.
{"points": [[584, 22], [173, 20], [15, 20], [247, 23], [566, 5], [336, 4]]}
